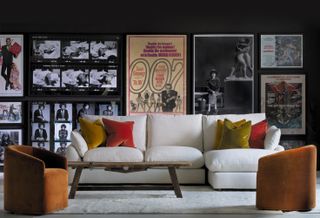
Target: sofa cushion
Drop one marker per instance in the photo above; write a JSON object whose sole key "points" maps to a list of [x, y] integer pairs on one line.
{"points": [[139, 127], [175, 130], [176, 153], [272, 138], [258, 134], [235, 160], [114, 154], [92, 132], [210, 125]]}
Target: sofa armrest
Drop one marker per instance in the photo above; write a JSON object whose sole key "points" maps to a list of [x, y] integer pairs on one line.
{"points": [[79, 143], [72, 154], [279, 148], [51, 160]]}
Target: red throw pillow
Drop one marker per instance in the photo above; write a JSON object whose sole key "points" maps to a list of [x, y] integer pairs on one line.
{"points": [[119, 133], [258, 133]]}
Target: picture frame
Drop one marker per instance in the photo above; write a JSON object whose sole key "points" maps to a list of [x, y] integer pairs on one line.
{"points": [[283, 99], [281, 51], [156, 74], [223, 73], [12, 65], [9, 137], [11, 112]]}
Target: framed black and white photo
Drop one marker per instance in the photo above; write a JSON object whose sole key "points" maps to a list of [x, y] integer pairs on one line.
{"points": [[60, 148], [110, 109], [75, 78], [75, 50], [85, 108], [281, 51], [41, 145], [46, 49], [62, 132], [223, 73], [106, 51], [103, 78], [40, 112], [283, 99], [11, 64], [10, 112], [46, 79], [63, 112], [9, 137], [40, 132]]}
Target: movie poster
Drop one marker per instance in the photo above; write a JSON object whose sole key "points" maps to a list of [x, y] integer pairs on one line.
{"points": [[281, 51], [156, 74], [11, 64], [223, 67], [283, 100]]}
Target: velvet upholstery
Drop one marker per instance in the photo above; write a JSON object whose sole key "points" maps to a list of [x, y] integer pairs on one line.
{"points": [[35, 180], [287, 180]]}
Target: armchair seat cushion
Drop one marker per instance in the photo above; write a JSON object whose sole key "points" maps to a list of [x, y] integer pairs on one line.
{"points": [[114, 154], [235, 160], [176, 153]]}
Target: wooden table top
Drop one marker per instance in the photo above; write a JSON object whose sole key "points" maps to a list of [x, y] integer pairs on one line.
{"points": [[89, 164]]}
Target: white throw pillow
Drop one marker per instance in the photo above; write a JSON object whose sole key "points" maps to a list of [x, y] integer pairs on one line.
{"points": [[79, 143], [272, 138]]}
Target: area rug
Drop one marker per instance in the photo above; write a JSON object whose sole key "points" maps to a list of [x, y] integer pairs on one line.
{"points": [[196, 200]]}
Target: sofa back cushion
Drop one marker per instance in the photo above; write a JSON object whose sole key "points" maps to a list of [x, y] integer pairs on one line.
{"points": [[139, 127], [175, 130], [210, 125]]}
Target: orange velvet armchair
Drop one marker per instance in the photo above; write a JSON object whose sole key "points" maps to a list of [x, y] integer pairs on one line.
{"points": [[287, 180], [35, 180]]}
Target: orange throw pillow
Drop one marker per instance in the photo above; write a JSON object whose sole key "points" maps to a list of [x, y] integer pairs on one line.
{"points": [[119, 133], [258, 133]]}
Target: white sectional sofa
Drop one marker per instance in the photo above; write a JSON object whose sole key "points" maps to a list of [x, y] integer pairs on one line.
{"points": [[174, 138]]}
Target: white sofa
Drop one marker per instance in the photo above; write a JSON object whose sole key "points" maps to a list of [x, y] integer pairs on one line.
{"points": [[174, 138]]}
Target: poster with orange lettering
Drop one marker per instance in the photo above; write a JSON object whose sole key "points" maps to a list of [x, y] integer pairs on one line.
{"points": [[156, 74]]}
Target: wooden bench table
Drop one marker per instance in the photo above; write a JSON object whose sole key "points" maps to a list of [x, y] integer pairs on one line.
{"points": [[126, 167]]}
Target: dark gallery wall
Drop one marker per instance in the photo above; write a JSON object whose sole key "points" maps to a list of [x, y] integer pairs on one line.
{"points": [[226, 16]]}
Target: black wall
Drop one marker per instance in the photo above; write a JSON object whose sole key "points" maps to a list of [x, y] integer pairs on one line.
{"points": [[224, 16]]}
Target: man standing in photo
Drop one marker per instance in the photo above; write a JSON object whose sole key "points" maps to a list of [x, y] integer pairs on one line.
{"points": [[7, 60], [169, 97]]}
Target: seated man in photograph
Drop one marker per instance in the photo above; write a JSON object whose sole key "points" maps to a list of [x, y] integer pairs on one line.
{"points": [[38, 114], [62, 113], [63, 133], [40, 134]]}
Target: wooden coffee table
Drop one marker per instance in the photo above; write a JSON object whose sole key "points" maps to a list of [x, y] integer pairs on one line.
{"points": [[126, 167]]}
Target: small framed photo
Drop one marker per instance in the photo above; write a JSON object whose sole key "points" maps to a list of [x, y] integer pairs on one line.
{"points": [[11, 65], [40, 132], [85, 108], [106, 51], [110, 109], [103, 78], [46, 49], [281, 51], [62, 132], [10, 112], [40, 112], [60, 148], [75, 50], [41, 145], [9, 137], [46, 79], [75, 79], [63, 112], [283, 99]]}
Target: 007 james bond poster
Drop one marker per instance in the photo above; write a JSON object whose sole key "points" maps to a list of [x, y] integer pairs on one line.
{"points": [[283, 100], [156, 74]]}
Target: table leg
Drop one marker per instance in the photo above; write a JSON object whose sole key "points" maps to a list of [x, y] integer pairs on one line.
{"points": [[75, 182], [175, 182]]}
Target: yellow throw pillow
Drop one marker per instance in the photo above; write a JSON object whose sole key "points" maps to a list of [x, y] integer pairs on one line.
{"points": [[220, 123], [235, 136], [93, 132]]}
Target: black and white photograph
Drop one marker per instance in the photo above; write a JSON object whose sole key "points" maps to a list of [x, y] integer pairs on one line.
{"points": [[103, 78], [75, 50], [11, 64], [62, 131], [41, 145], [223, 73], [10, 112], [110, 109], [60, 148], [9, 137], [281, 51], [104, 50], [63, 112], [40, 112], [85, 108], [46, 49], [40, 132], [75, 78], [46, 78]]}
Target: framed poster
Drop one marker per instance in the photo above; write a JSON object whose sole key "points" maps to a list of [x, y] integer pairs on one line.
{"points": [[11, 64], [283, 99], [156, 74], [9, 137], [281, 51], [223, 74], [10, 112]]}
